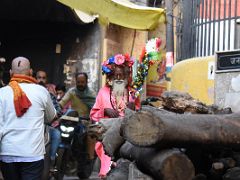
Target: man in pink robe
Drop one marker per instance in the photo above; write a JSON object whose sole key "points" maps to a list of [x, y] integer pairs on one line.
{"points": [[112, 99]]}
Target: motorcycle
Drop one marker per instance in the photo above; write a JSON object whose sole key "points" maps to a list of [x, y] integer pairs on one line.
{"points": [[72, 157], [64, 158], [80, 149]]}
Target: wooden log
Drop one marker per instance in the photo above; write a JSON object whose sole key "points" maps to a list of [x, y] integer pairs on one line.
{"points": [[97, 130], [112, 140], [168, 164], [182, 102], [232, 174], [181, 130], [154, 109], [107, 122], [120, 172], [200, 177], [213, 109], [220, 166], [217, 171], [136, 174]]}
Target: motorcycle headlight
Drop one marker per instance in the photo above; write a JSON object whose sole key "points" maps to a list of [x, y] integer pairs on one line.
{"points": [[66, 129], [70, 129], [63, 128], [64, 135]]}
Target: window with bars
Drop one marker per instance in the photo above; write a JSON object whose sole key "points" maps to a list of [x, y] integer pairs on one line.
{"points": [[207, 26]]}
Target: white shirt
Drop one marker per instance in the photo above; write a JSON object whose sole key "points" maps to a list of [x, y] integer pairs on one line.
{"points": [[24, 136]]}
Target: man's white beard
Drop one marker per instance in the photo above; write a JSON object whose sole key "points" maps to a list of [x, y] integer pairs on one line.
{"points": [[119, 87]]}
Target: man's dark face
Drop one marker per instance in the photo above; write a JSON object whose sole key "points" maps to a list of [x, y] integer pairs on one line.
{"points": [[81, 82], [119, 74], [41, 78]]}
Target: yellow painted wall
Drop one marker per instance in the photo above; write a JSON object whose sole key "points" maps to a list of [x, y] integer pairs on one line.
{"points": [[191, 76]]}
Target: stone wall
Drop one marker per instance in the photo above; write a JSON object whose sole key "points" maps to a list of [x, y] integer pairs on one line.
{"points": [[85, 57]]}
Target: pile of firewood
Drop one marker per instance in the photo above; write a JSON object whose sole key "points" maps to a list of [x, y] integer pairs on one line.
{"points": [[174, 137]]}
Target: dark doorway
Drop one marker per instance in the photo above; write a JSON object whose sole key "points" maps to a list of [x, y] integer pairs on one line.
{"points": [[37, 41], [33, 29]]}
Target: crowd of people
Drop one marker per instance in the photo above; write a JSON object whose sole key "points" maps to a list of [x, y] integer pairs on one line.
{"points": [[27, 103]]}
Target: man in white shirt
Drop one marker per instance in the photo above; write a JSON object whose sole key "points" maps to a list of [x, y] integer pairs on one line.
{"points": [[24, 105]]}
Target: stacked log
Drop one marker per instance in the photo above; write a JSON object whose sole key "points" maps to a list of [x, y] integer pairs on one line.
{"points": [[182, 139], [157, 129], [136, 174], [160, 164]]}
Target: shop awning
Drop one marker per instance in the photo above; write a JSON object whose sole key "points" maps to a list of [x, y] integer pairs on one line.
{"points": [[84, 17], [120, 12]]}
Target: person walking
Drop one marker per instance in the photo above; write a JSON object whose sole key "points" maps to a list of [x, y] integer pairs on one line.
{"points": [[23, 107]]}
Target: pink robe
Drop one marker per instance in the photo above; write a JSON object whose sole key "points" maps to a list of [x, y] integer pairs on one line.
{"points": [[97, 113]]}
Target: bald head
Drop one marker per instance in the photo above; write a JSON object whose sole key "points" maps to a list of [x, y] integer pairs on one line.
{"points": [[21, 65]]}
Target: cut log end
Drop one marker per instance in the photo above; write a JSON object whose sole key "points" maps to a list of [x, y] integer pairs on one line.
{"points": [[177, 167], [143, 129]]}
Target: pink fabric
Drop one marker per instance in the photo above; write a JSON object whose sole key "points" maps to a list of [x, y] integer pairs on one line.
{"points": [[105, 160], [97, 113], [102, 102]]}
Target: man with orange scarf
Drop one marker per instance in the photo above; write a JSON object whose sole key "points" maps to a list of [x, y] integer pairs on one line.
{"points": [[113, 98], [24, 105]]}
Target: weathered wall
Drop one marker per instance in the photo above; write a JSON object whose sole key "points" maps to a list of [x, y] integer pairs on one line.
{"points": [[133, 41], [123, 40], [195, 76], [227, 90], [117, 39], [85, 57]]}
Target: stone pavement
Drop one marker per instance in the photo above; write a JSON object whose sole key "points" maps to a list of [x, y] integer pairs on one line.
{"points": [[94, 176]]}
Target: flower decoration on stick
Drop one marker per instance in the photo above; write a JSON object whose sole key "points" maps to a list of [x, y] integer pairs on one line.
{"points": [[150, 54]]}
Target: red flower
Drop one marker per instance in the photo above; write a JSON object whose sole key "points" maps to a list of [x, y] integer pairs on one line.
{"points": [[158, 42], [128, 60], [127, 57]]}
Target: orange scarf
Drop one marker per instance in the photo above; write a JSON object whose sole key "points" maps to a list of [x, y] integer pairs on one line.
{"points": [[21, 101]]}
